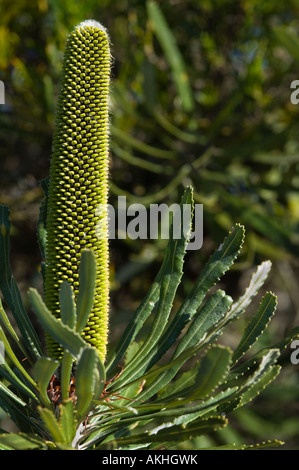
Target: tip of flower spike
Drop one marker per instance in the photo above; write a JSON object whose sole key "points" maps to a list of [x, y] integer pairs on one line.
{"points": [[91, 24]]}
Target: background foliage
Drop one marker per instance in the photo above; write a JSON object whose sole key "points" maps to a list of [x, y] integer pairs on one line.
{"points": [[200, 96]]}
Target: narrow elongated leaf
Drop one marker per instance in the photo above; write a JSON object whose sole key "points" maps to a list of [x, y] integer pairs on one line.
{"points": [[87, 282], [43, 370], [67, 338], [163, 412], [257, 280], [5, 321], [18, 381], [69, 318], [181, 414], [173, 55], [141, 359], [10, 353], [11, 292], [263, 445], [209, 408], [142, 146], [260, 384], [66, 370], [67, 304], [256, 325], [21, 441], [67, 421], [246, 366], [52, 425], [282, 344], [5, 390], [140, 162], [253, 362], [90, 380], [268, 360], [176, 433]]}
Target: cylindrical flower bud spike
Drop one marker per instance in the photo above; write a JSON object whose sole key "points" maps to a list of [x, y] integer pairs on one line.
{"points": [[79, 178]]}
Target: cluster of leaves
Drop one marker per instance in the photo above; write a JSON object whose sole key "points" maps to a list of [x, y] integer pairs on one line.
{"points": [[150, 403]]}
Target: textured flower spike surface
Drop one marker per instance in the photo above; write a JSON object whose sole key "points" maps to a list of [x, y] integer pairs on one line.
{"points": [[79, 178]]}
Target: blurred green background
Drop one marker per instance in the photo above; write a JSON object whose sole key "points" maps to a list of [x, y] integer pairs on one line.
{"points": [[200, 95]]}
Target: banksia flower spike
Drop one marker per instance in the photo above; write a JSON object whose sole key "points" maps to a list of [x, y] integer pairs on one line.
{"points": [[79, 178]]}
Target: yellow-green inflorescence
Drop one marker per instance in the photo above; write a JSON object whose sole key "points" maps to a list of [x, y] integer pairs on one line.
{"points": [[79, 178]]}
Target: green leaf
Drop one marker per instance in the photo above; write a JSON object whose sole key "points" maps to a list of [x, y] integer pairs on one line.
{"points": [[140, 162], [67, 304], [43, 370], [67, 338], [90, 380], [11, 292], [10, 353], [256, 325], [67, 421], [257, 280], [268, 360], [5, 321], [259, 385], [257, 446], [18, 381], [69, 318], [5, 390], [210, 407], [176, 433], [282, 344], [21, 441], [87, 283], [66, 370], [173, 55], [52, 425], [141, 146]]}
